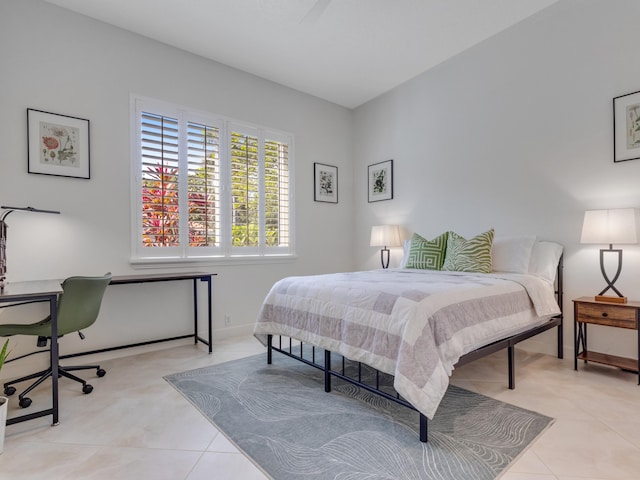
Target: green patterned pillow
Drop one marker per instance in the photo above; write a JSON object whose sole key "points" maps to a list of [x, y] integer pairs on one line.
{"points": [[425, 254], [473, 255]]}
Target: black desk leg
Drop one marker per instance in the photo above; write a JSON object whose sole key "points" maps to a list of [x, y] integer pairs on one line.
{"points": [[210, 305], [209, 311], [55, 357], [195, 311]]}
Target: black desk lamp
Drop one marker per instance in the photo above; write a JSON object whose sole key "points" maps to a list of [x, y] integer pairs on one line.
{"points": [[3, 236]]}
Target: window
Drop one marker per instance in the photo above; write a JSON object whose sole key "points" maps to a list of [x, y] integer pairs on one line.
{"points": [[208, 187]]}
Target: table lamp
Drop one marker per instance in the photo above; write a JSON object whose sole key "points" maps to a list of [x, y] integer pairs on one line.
{"points": [[3, 236], [617, 226], [385, 236]]}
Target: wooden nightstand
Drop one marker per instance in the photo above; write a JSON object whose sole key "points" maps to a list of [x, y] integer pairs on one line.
{"points": [[587, 311]]}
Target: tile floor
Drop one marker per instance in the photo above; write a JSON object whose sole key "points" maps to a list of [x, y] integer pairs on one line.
{"points": [[136, 426]]}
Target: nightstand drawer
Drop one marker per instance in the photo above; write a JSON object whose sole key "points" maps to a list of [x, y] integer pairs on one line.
{"points": [[610, 315]]}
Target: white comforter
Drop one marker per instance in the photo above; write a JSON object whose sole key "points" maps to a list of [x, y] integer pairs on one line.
{"points": [[413, 324]]}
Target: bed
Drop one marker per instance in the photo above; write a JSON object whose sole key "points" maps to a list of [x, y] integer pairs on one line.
{"points": [[414, 324]]}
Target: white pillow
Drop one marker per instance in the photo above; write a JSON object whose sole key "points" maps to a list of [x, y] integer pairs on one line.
{"points": [[544, 260], [512, 254], [406, 246]]}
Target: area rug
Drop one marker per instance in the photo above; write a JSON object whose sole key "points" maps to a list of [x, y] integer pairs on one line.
{"points": [[280, 416]]}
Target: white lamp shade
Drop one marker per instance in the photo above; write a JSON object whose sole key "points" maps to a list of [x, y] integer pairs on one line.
{"points": [[385, 236], [610, 226]]}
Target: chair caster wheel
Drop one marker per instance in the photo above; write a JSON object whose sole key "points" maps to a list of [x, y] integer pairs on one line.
{"points": [[24, 402], [9, 390], [87, 388], [101, 372]]}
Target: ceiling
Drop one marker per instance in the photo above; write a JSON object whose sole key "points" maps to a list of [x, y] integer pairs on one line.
{"points": [[344, 51]]}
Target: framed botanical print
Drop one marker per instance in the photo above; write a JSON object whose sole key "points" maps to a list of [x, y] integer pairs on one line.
{"points": [[626, 127], [325, 183], [380, 181], [58, 144]]}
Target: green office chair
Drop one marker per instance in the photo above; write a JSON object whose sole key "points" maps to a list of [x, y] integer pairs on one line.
{"points": [[78, 308]]}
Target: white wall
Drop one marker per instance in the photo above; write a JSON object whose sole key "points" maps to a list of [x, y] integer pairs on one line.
{"points": [[61, 62], [515, 134]]}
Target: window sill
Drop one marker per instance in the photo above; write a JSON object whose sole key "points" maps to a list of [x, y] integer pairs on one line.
{"points": [[150, 263]]}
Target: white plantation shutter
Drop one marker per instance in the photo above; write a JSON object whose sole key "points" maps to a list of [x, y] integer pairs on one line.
{"points": [[160, 176], [245, 191], [276, 180], [206, 187]]}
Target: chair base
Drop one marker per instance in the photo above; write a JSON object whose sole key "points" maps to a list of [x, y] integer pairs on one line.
{"points": [[41, 376]]}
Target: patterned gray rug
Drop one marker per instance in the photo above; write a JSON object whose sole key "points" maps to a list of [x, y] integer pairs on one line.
{"points": [[280, 416]]}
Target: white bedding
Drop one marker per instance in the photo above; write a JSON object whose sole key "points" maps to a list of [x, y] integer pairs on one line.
{"points": [[413, 324]]}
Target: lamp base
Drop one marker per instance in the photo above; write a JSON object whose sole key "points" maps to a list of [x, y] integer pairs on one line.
{"points": [[610, 299], [385, 259]]}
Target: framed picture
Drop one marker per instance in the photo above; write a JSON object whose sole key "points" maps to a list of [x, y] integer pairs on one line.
{"points": [[325, 179], [380, 179], [58, 144], [626, 127]]}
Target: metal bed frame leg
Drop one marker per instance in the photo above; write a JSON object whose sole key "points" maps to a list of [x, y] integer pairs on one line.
{"points": [[327, 371], [512, 377], [560, 298], [423, 428], [560, 341], [269, 351]]}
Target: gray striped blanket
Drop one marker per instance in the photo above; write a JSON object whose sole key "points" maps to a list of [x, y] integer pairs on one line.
{"points": [[413, 324]]}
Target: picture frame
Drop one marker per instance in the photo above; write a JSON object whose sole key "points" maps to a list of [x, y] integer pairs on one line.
{"points": [[626, 127], [58, 144], [325, 179], [380, 181]]}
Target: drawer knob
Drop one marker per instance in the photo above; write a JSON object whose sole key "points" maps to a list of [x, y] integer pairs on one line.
{"points": [[605, 314]]}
